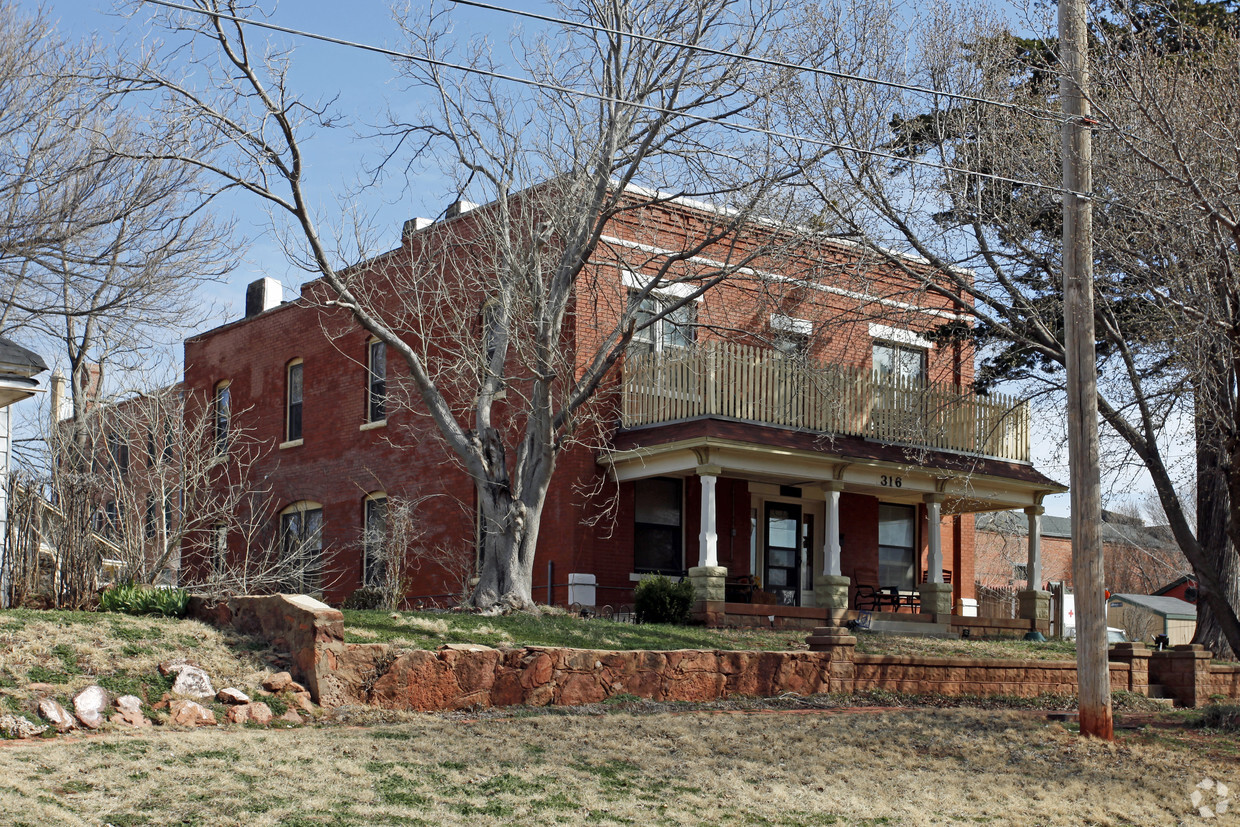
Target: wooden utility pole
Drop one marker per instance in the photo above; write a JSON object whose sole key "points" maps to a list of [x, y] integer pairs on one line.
{"points": [[1093, 673]]}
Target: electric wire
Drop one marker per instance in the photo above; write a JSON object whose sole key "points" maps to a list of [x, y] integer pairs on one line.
{"points": [[765, 61], [601, 98]]}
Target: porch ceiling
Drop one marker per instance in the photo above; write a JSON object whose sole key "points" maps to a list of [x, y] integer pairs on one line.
{"points": [[971, 488]]}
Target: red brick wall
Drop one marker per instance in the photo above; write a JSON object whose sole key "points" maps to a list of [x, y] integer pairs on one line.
{"points": [[337, 463]]}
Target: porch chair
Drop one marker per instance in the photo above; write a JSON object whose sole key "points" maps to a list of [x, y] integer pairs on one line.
{"points": [[868, 599]]}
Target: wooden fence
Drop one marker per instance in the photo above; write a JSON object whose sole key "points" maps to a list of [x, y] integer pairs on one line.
{"points": [[766, 387]]}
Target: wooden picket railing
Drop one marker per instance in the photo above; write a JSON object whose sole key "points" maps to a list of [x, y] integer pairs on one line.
{"points": [[763, 386]]}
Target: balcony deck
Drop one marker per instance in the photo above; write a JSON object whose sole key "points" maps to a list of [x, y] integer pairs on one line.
{"points": [[749, 384]]}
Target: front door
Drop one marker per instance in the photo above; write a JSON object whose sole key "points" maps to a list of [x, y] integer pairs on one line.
{"points": [[783, 552]]}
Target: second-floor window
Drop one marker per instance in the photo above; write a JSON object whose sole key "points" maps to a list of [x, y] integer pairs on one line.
{"points": [[221, 410], [901, 362], [293, 414], [654, 335], [376, 381], [118, 449]]}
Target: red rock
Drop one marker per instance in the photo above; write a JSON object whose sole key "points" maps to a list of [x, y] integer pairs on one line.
{"points": [[290, 716], [260, 713], [190, 713], [303, 701], [56, 715], [537, 671], [90, 704], [278, 682], [581, 688], [232, 696], [129, 711]]}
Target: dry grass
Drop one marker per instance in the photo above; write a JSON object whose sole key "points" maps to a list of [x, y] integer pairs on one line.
{"points": [[71, 650], [908, 768]]}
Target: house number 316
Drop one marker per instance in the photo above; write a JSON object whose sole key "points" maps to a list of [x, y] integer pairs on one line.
{"points": [[891, 482]]}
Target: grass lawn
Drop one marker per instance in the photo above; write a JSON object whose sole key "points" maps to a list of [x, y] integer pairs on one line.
{"points": [[71, 650], [621, 766], [428, 630]]}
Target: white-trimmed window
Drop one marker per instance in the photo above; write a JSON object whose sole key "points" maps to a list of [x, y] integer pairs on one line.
{"points": [[897, 545], [374, 538], [219, 548], [658, 514], [294, 394], [900, 362], [655, 335], [221, 412], [791, 336], [301, 547], [376, 381]]}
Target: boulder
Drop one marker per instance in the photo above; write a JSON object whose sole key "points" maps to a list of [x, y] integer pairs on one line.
{"points": [[190, 713], [171, 667], [90, 704], [303, 701], [129, 712], [56, 715], [278, 682], [15, 726], [260, 713], [193, 682], [257, 712], [290, 716], [232, 696]]}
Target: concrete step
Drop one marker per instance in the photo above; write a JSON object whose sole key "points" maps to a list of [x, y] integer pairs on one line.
{"points": [[906, 627], [1158, 692]]}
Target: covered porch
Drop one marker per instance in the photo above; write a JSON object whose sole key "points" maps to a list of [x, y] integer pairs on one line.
{"points": [[783, 527]]}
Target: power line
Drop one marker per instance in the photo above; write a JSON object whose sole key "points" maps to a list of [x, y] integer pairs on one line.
{"points": [[779, 64], [551, 87]]}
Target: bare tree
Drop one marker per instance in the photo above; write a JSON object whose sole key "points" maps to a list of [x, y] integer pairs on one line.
{"points": [[971, 187], [555, 163]]}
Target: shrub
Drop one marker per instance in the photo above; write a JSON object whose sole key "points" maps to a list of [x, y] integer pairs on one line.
{"points": [[144, 600], [659, 599], [1224, 717], [366, 599]]}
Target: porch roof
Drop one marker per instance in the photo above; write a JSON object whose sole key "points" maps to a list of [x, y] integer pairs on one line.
{"points": [[789, 456]]}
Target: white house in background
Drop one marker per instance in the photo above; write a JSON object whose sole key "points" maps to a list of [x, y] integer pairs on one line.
{"points": [[18, 369]]}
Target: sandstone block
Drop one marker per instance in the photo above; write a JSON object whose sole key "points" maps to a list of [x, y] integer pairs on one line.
{"points": [[190, 713], [232, 696], [90, 704], [51, 711]]}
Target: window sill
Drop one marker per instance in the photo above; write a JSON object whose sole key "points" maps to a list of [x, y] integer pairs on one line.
{"points": [[292, 443], [370, 426]]}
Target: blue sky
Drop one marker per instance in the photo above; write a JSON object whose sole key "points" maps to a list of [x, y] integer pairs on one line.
{"points": [[364, 84]]}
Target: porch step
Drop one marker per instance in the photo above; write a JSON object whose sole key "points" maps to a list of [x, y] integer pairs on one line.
{"points": [[1158, 692], [910, 627]]}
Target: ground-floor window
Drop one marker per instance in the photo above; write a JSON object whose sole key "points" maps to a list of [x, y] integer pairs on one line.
{"points": [[657, 534], [301, 548], [374, 561], [897, 548]]}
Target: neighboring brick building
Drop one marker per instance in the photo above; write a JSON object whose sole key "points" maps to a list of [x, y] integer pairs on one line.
{"points": [[823, 438], [1136, 558]]}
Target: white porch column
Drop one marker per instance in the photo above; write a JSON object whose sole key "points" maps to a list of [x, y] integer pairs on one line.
{"points": [[708, 539], [1033, 569], [831, 531], [936, 596], [934, 540], [709, 579], [1035, 604]]}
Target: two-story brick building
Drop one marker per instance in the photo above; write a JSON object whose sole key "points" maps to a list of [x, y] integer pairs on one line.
{"points": [[791, 435]]}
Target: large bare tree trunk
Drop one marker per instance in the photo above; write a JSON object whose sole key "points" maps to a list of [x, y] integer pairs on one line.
{"points": [[1213, 511]]}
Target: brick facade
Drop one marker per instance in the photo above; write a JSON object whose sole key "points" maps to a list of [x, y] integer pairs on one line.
{"points": [[588, 523]]}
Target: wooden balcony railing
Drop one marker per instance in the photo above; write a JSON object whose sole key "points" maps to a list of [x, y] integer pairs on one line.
{"points": [[763, 386]]}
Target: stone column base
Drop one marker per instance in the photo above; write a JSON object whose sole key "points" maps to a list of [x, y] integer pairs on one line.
{"points": [[936, 598], [831, 593], [708, 583], [1034, 604]]}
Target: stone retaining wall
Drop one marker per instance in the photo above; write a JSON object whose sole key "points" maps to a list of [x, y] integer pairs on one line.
{"points": [[461, 676], [966, 676]]}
